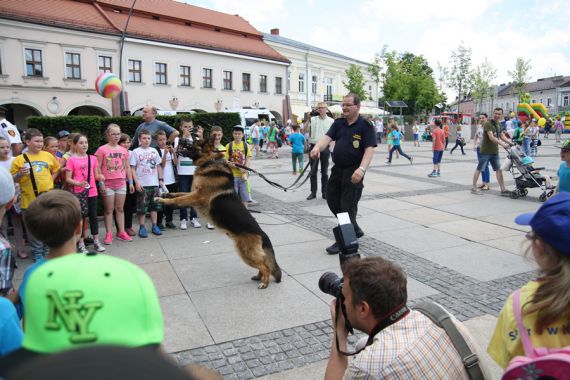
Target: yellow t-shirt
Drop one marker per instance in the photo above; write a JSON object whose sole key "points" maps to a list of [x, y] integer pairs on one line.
{"points": [[237, 156], [43, 165], [505, 343]]}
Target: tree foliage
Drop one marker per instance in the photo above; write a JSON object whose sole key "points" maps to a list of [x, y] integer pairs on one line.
{"points": [[409, 77], [356, 82], [481, 81], [460, 70], [520, 75]]}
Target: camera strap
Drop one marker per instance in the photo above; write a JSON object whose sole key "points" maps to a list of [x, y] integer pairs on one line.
{"points": [[390, 318]]}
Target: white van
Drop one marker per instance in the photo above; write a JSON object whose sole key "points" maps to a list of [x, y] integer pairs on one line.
{"points": [[248, 116]]}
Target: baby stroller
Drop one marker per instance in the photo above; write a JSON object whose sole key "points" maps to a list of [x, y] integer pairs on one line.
{"points": [[525, 175]]}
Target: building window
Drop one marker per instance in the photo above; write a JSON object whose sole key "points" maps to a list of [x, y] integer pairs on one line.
{"points": [[206, 78], [314, 84], [278, 85], [105, 64], [135, 72], [566, 100], [228, 80], [185, 79], [34, 66], [72, 66], [541, 101], [246, 82], [263, 83], [160, 73], [549, 102], [302, 82]]}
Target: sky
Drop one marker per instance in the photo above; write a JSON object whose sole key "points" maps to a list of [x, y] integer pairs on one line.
{"points": [[497, 30]]}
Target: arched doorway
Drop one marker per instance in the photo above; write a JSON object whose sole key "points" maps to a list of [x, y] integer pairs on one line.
{"points": [[18, 113], [278, 117], [88, 111]]}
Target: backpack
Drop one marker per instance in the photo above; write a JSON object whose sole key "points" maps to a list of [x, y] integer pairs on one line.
{"points": [[547, 363]]}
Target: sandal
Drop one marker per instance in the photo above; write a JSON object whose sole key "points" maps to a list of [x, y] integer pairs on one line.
{"points": [[484, 187], [506, 193]]}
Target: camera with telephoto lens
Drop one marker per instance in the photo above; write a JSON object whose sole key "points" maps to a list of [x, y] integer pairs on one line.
{"points": [[330, 282]]}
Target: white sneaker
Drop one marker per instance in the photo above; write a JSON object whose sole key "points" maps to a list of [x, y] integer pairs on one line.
{"points": [[98, 246], [195, 223], [183, 224], [210, 226]]}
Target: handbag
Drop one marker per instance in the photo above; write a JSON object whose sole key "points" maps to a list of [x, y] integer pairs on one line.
{"points": [[84, 194], [538, 143]]}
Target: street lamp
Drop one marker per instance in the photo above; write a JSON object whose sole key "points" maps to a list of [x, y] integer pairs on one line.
{"points": [[122, 94]]}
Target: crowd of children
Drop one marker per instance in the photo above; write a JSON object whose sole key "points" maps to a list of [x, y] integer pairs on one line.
{"points": [[126, 180]]}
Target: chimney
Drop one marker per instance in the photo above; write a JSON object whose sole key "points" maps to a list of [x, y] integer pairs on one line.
{"points": [[275, 31]]}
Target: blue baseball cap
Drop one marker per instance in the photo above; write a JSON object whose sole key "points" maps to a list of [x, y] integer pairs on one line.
{"points": [[551, 222]]}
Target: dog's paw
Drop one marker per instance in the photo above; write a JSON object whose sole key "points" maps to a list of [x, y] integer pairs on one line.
{"points": [[262, 286]]}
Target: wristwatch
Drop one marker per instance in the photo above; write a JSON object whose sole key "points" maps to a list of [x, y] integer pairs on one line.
{"points": [[362, 168]]}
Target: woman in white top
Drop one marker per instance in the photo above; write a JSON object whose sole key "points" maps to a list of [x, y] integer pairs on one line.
{"points": [[485, 175]]}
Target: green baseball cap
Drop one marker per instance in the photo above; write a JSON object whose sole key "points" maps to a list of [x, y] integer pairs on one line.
{"points": [[92, 299]]}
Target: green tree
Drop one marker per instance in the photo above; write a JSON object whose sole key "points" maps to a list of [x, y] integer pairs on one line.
{"points": [[377, 68], [460, 71], [520, 75], [481, 80], [356, 82], [409, 77]]}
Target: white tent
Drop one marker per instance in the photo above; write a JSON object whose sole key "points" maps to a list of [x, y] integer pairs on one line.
{"points": [[372, 111]]}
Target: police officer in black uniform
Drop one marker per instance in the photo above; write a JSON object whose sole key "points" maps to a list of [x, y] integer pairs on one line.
{"points": [[355, 140]]}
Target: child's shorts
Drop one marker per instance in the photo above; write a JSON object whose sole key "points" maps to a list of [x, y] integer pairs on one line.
{"points": [[416, 136], [145, 200], [437, 155], [240, 186]]}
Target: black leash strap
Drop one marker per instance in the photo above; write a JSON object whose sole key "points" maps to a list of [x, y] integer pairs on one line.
{"points": [[34, 186], [295, 185]]}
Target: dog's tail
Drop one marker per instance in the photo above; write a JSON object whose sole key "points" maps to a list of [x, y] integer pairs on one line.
{"points": [[268, 249]]}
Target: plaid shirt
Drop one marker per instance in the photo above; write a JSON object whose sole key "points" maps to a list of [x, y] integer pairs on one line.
{"points": [[413, 348], [7, 266]]}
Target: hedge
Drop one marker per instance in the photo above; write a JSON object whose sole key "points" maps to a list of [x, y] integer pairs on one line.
{"points": [[94, 126]]}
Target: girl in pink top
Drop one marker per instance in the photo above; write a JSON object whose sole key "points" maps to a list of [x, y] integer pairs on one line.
{"points": [[82, 173], [114, 164]]}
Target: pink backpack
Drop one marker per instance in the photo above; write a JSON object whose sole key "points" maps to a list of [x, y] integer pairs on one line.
{"points": [[538, 363]]}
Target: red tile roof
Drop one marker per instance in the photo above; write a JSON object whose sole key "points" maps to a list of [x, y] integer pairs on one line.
{"points": [[156, 20]]}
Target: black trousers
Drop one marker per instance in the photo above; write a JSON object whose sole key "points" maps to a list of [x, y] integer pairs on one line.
{"points": [[92, 214], [167, 211], [324, 159], [130, 207], [342, 194]]}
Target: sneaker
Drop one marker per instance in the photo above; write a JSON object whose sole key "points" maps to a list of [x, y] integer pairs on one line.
{"points": [[411, 160], [108, 238], [170, 225], [156, 230], [124, 236], [130, 232], [311, 196], [81, 248], [432, 175], [183, 224], [476, 191], [161, 227], [98, 246], [143, 232], [210, 226], [438, 174], [39, 257], [195, 223], [388, 163]]}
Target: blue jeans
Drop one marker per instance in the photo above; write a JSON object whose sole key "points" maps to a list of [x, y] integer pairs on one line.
{"points": [[526, 145], [485, 173], [39, 249], [399, 149], [185, 184]]}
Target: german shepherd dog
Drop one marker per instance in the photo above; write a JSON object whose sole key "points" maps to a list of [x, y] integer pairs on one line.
{"points": [[213, 196]]}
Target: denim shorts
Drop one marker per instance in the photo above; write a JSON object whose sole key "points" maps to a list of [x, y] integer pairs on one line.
{"points": [[254, 141], [240, 186], [485, 158], [437, 155]]}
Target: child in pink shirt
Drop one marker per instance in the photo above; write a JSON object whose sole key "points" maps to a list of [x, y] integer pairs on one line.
{"points": [[114, 165], [82, 173]]}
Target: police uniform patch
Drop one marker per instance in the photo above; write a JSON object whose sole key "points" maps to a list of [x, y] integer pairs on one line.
{"points": [[356, 140], [11, 132]]}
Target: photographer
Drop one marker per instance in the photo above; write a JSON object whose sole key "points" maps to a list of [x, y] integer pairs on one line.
{"points": [[402, 343]]}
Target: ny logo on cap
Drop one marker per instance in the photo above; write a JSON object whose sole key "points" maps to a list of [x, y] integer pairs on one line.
{"points": [[75, 316]]}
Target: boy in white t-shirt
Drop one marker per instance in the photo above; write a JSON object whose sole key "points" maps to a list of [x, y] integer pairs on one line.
{"points": [[147, 175], [169, 159]]}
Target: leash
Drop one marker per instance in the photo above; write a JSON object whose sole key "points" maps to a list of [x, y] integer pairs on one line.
{"points": [[295, 185]]}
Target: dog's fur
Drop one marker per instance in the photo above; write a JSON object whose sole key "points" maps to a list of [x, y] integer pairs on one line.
{"points": [[213, 196]]}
